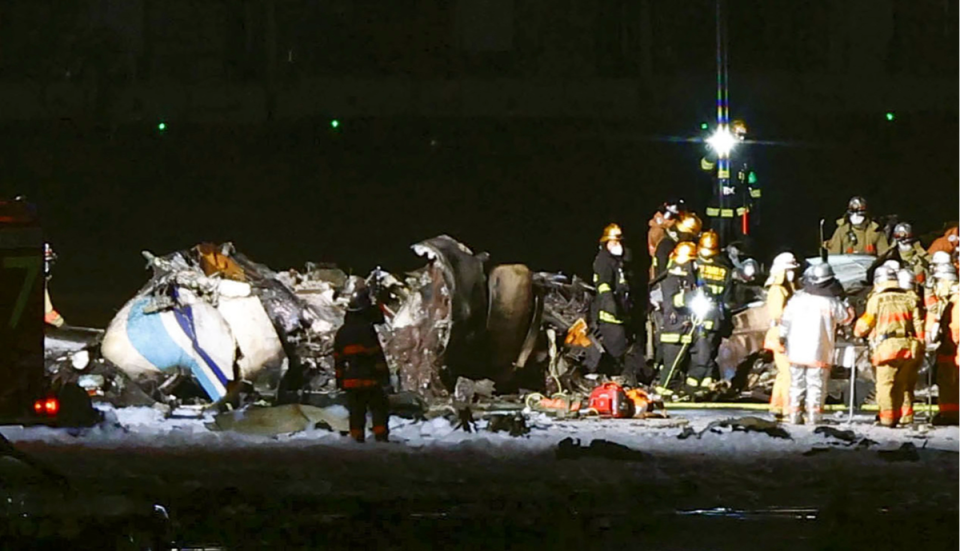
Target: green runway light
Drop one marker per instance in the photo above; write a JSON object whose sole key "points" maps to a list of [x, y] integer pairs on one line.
{"points": [[162, 126], [890, 116], [334, 124], [704, 126]]}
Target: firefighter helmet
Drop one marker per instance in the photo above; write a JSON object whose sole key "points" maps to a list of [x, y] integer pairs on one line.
{"points": [[739, 128], [673, 208], [783, 262], [946, 272], [357, 293], [857, 205], [689, 224], [907, 279], [903, 232], [709, 246], [884, 274], [820, 274], [611, 233], [749, 269], [940, 257], [684, 252]]}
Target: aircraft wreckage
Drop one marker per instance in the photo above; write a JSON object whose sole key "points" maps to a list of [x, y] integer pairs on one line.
{"points": [[211, 324], [212, 316]]}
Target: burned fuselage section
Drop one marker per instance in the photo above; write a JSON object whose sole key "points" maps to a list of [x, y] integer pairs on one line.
{"points": [[212, 316]]}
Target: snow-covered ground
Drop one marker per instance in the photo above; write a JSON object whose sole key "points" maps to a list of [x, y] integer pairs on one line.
{"points": [[731, 484]]}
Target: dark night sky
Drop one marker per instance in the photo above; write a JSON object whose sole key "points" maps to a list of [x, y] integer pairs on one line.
{"points": [[531, 190]]}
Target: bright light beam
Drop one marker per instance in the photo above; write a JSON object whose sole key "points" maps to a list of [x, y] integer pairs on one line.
{"points": [[722, 141], [700, 305]]}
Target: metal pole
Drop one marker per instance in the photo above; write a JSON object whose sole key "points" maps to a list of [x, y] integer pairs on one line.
{"points": [[683, 350], [853, 385], [723, 114]]}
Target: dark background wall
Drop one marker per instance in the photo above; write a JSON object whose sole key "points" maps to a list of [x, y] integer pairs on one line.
{"points": [[520, 128]]}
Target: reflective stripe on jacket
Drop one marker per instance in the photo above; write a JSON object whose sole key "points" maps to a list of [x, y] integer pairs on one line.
{"points": [[358, 357], [894, 326], [849, 239], [611, 285], [949, 351]]}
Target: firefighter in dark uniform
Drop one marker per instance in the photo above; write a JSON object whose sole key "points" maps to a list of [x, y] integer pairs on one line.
{"points": [[361, 366], [613, 292], [686, 228], [675, 339], [735, 211], [714, 276]]}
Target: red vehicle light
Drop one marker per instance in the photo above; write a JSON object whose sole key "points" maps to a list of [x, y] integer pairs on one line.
{"points": [[51, 406], [38, 407]]}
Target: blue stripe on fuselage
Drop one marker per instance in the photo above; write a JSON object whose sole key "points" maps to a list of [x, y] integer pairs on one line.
{"points": [[149, 337]]}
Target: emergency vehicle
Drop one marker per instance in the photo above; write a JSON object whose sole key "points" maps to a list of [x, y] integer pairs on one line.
{"points": [[27, 397]]}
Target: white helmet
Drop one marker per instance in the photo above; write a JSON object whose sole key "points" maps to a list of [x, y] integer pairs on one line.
{"points": [[947, 272], [907, 280], [940, 257], [884, 274], [783, 262]]}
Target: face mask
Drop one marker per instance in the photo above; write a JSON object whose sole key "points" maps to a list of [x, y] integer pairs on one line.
{"points": [[791, 275], [857, 219], [903, 246], [616, 249]]}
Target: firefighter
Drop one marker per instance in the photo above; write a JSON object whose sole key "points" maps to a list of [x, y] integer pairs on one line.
{"points": [[50, 314], [686, 228], [748, 185], [895, 329], [808, 330], [613, 292], [907, 252], [678, 285], [741, 194], [781, 285], [361, 367], [937, 293], [946, 243], [714, 279], [857, 233], [946, 345], [665, 217]]}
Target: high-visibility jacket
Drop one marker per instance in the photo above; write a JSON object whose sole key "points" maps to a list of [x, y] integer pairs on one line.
{"points": [[50, 314], [949, 327], [917, 260], [894, 326], [779, 291], [358, 357], [743, 191], [714, 276], [679, 283], [612, 287], [866, 239], [935, 300]]}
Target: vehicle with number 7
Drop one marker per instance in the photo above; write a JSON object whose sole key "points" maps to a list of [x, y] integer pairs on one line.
{"points": [[21, 312]]}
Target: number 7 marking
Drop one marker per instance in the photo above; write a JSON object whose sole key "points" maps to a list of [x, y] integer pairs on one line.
{"points": [[32, 265]]}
